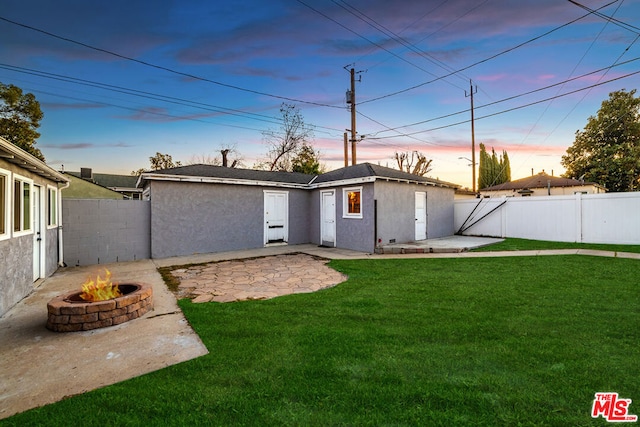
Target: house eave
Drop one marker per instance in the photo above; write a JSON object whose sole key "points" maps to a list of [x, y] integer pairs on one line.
{"points": [[13, 154], [368, 179], [216, 180]]}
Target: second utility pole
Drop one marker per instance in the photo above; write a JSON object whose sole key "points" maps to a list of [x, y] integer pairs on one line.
{"points": [[473, 139], [353, 116]]}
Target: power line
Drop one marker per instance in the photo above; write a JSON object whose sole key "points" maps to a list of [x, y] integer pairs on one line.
{"points": [[163, 68], [518, 107], [510, 98], [151, 95], [608, 18], [392, 35], [484, 60]]}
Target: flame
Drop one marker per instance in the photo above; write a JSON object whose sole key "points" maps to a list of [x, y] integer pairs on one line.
{"points": [[100, 289]]}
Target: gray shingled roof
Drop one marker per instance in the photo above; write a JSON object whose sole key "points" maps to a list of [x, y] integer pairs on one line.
{"points": [[110, 180], [236, 173], [364, 170], [541, 180]]}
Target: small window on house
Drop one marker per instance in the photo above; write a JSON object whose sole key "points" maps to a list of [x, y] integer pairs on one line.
{"points": [[352, 202], [52, 203], [4, 204], [21, 205]]}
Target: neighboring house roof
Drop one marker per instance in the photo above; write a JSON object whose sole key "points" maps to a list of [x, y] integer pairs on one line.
{"points": [[541, 180], [110, 180], [364, 172], [13, 154], [83, 189]]}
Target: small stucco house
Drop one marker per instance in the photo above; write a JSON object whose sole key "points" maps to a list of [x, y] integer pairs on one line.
{"points": [[542, 184], [205, 208], [30, 239]]}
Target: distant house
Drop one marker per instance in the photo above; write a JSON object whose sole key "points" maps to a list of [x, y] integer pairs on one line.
{"points": [[125, 185], [30, 236], [204, 208], [542, 184], [83, 189]]}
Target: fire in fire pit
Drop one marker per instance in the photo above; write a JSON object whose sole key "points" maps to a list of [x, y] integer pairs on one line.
{"points": [[100, 289], [93, 307]]}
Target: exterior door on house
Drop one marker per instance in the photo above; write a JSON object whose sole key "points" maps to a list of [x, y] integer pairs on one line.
{"points": [[421, 215], [276, 217], [37, 232], [328, 218]]}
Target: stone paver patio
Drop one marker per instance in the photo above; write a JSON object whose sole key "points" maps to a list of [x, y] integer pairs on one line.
{"points": [[256, 278]]}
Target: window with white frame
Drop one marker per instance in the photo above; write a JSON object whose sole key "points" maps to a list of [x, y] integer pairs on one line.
{"points": [[4, 204], [22, 204], [52, 206], [352, 202]]}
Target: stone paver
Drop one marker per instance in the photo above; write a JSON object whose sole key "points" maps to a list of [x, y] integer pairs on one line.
{"points": [[256, 278]]}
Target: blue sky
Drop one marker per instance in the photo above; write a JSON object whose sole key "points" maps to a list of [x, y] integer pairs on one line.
{"points": [[119, 81]]}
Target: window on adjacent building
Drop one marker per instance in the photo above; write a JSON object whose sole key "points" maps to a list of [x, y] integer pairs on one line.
{"points": [[4, 204], [52, 203], [352, 204], [21, 205]]}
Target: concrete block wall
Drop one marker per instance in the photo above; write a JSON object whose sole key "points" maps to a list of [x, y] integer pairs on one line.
{"points": [[99, 231]]}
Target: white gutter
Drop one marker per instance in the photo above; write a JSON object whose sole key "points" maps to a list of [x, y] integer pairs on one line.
{"points": [[215, 180], [60, 241]]}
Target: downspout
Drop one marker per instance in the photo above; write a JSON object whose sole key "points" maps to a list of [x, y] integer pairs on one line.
{"points": [[59, 207]]}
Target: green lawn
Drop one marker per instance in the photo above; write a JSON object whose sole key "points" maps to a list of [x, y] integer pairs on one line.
{"points": [[512, 244], [408, 342]]}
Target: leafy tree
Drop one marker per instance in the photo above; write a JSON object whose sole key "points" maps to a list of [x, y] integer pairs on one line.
{"points": [[307, 160], [607, 150], [493, 170], [20, 116], [286, 142], [415, 163], [162, 161]]}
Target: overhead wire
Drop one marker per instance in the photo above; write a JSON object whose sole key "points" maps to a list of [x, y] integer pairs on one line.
{"points": [[393, 36], [511, 98], [516, 108], [153, 96], [485, 59], [162, 67]]}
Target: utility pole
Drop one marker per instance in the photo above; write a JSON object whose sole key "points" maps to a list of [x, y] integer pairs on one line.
{"points": [[346, 150], [353, 116], [351, 99], [473, 136]]}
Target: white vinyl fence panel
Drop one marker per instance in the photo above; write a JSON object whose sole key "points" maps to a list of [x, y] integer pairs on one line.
{"points": [[586, 218]]}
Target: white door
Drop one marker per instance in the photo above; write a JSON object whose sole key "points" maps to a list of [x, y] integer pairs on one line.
{"points": [[328, 218], [37, 232], [421, 215], [276, 209]]}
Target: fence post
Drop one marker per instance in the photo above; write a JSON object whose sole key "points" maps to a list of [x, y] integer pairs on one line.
{"points": [[578, 216]]}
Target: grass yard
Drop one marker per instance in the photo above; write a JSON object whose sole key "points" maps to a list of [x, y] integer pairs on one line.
{"points": [[404, 342], [512, 244]]}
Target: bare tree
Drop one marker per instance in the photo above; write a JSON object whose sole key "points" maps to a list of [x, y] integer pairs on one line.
{"points": [[285, 143], [414, 163], [229, 157]]}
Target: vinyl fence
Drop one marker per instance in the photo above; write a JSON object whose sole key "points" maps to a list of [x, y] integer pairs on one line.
{"points": [[586, 218]]}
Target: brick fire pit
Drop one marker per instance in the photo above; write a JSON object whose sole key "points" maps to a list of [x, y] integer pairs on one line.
{"points": [[69, 312]]}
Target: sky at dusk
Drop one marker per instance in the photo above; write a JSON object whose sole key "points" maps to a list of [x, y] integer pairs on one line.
{"points": [[119, 81]]}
